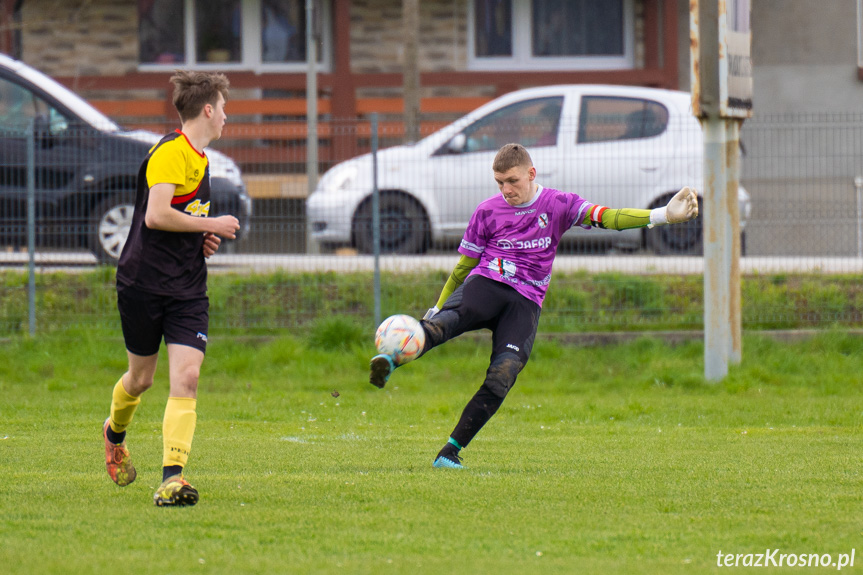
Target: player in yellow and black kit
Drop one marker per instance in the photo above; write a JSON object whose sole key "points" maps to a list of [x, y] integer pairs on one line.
{"points": [[162, 282]]}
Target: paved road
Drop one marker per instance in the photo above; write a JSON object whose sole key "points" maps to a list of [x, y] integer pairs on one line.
{"points": [[636, 264]]}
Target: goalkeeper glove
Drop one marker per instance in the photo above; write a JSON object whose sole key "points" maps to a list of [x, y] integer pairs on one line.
{"points": [[681, 208], [431, 313]]}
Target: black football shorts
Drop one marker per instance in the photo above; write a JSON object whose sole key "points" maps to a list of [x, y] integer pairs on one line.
{"points": [[147, 318]]}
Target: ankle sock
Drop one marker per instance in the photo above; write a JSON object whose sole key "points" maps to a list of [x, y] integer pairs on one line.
{"points": [[450, 451], [171, 470], [114, 437]]}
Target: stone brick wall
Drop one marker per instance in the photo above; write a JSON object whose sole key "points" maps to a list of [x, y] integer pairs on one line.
{"points": [[376, 36], [80, 37]]}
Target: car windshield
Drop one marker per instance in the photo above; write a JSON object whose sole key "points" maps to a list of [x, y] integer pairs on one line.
{"points": [[71, 100]]}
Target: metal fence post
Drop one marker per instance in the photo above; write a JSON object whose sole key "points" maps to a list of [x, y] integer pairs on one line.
{"points": [[717, 256], [858, 184], [31, 226], [376, 218], [311, 117]]}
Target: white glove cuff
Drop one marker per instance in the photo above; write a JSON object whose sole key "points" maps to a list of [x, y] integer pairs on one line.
{"points": [[658, 216], [431, 313]]}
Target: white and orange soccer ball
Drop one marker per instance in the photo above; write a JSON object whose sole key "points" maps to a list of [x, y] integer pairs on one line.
{"points": [[401, 337]]}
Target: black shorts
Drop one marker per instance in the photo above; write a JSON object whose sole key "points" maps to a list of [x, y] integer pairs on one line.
{"points": [[147, 317], [482, 303]]}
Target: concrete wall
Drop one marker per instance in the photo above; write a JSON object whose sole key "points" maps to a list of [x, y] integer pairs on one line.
{"points": [[804, 56]]}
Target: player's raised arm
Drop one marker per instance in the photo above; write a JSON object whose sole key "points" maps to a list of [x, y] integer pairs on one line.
{"points": [[456, 278], [681, 208]]}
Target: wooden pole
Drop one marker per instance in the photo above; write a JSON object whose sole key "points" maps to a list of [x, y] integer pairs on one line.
{"points": [[411, 24]]}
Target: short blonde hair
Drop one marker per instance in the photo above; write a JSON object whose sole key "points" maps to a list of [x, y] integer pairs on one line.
{"points": [[511, 156]]}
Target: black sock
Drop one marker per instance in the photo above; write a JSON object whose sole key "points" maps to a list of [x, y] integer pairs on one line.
{"points": [[476, 413], [449, 450], [115, 437], [171, 470]]}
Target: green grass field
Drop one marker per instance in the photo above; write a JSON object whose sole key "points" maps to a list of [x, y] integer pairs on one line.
{"points": [[602, 460]]}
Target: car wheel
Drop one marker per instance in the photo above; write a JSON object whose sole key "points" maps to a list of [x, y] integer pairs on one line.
{"points": [[109, 228], [678, 239], [403, 223]]}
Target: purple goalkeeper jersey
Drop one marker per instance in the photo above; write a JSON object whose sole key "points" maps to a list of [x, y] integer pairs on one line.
{"points": [[516, 244]]}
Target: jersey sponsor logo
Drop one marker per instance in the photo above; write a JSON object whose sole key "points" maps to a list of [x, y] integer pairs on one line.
{"points": [[504, 267], [525, 212], [542, 220], [534, 243], [198, 209], [511, 346], [506, 244]]}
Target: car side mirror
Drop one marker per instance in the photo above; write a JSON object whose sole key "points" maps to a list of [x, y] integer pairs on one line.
{"points": [[457, 144]]}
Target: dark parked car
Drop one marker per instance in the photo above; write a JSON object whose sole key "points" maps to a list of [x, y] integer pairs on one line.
{"points": [[85, 168]]}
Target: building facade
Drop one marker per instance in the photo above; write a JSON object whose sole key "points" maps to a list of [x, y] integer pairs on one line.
{"points": [[466, 47]]}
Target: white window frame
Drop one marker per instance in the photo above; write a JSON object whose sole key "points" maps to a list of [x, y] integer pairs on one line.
{"points": [[522, 58], [250, 48]]}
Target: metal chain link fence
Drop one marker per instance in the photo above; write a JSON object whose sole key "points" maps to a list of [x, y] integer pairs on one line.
{"points": [[301, 259]]}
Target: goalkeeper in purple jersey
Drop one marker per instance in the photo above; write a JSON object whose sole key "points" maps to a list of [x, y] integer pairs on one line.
{"points": [[500, 281]]}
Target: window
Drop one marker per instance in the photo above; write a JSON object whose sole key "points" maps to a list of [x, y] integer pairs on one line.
{"points": [[19, 107], [493, 27], [217, 31], [551, 34], [160, 32], [532, 123], [577, 28], [283, 31], [258, 35], [604, 119]]}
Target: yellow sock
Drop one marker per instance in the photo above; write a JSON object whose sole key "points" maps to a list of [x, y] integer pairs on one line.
{"points": [[178, 427], [123, 407]]}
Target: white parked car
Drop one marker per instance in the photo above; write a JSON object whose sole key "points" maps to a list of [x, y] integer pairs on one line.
{"points": [[618, 146]]}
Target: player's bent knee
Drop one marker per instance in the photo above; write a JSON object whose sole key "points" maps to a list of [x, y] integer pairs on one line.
{"points": [[439, 328], [190, 377], [185, 382], [502, 373], [136, 384]]}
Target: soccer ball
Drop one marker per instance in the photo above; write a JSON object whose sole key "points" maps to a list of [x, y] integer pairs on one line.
{"points": [[401, 337]]}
